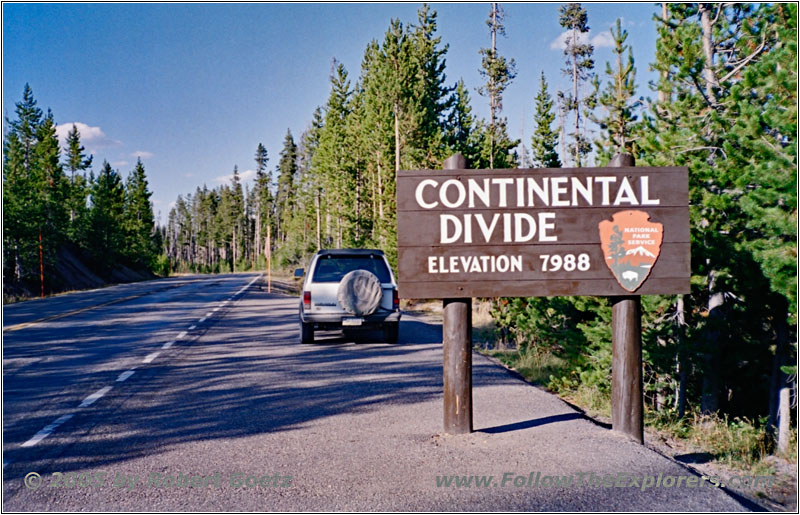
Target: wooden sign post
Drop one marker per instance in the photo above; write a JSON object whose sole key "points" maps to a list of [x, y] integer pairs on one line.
{"points": [[457, 349], [618, 231], [627, 394]]}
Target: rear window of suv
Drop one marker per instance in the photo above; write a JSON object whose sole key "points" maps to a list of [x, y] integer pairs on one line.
{"points": [[331, 269]]}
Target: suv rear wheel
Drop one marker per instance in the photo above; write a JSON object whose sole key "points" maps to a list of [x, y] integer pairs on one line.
{"points": [[306, 333]]}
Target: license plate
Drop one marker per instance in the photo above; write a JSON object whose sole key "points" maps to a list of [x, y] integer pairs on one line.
{"points": [[350, 322]]}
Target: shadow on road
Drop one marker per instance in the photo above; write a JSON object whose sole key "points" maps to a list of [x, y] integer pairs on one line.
{"points": [[248, 375], [516, 426]]}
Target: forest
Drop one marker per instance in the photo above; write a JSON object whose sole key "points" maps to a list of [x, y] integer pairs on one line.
{"points": [[724, 105]]}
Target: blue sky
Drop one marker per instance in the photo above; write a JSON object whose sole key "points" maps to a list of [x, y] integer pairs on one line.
{"points": [[193, 88]]}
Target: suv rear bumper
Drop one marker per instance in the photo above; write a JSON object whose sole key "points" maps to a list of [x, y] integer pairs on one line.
{"points": [[334, 320]]}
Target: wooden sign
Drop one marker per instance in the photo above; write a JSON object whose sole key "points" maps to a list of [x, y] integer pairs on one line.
{"points": [[543, 232]]}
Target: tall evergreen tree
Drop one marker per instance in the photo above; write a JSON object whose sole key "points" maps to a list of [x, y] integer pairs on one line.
{"points": [[76, 163], [20, 229], [429, 98], [139, 221], [106, 222], [52, 193], [263, 198], [618, 101], [287, 169], [498, 73], [579, 69], [462, 136], [544, 142]]}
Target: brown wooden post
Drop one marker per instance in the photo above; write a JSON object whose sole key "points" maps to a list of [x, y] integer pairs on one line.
{"points": [[457, 348], [627, 402]]}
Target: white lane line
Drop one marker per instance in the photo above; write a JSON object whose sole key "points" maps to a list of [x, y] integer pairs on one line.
{"points": [[88, 401], [150, 357], [181, 335], [45, 432], [125, 375], [202, 319], [168, 345], [192, 327]]}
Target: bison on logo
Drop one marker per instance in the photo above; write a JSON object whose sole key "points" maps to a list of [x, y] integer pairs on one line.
{"points": [[631, 245]]}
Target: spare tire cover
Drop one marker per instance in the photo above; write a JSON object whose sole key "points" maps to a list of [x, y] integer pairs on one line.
{"points": [[360, 292]]}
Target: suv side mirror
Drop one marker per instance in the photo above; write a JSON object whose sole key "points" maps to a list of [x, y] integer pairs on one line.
{"points": [[299, 273]]}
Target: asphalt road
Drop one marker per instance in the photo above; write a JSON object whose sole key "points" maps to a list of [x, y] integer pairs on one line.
{"points": [[195, 394]]}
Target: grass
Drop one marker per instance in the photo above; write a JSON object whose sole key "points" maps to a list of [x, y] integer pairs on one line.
{"points": [[738, 443]]}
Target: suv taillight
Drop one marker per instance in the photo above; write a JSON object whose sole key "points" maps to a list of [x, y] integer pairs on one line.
{"points": [[307, 299], [395, 299]]}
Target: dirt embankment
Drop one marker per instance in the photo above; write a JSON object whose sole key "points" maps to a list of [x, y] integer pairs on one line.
{"points": [[74, 271]]}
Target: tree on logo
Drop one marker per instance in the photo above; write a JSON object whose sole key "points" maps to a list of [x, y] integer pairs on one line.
{"points": [[615, 246]]}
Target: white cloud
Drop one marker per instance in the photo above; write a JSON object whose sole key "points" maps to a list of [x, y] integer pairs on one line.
{"points": [[119, 164], [602, 39], [243, 176], [93, 138], [188, 175], [142, 154]]}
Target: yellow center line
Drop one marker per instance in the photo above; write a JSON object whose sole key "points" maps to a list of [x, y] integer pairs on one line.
{"points": [[17, 327]]}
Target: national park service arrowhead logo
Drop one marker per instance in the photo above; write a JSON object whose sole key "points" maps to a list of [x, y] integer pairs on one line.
{"points": [[631, 245]]}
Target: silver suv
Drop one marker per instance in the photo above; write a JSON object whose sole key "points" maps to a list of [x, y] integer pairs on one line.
{"points": [[349, 289]]}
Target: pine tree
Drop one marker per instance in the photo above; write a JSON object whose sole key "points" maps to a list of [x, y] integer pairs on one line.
{"points": [[332, 159], [263, 198], [461, 127], [545, 139], [429, 98], [35, 193], [106, 223], [579, 69], [139, 221], [498, 73], [236, 218], [287, 168], [618, 101], [20, 228], [76, 163]]}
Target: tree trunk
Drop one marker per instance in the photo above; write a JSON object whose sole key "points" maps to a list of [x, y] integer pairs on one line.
{"points": [[683, 361], [258, 229], [492, 88], [319, 219], [575, 98], [663, 96], [778, 423], [358, 205], [708, 52], [709, 402], [373, 184], [396, 137], [380, 202]]}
